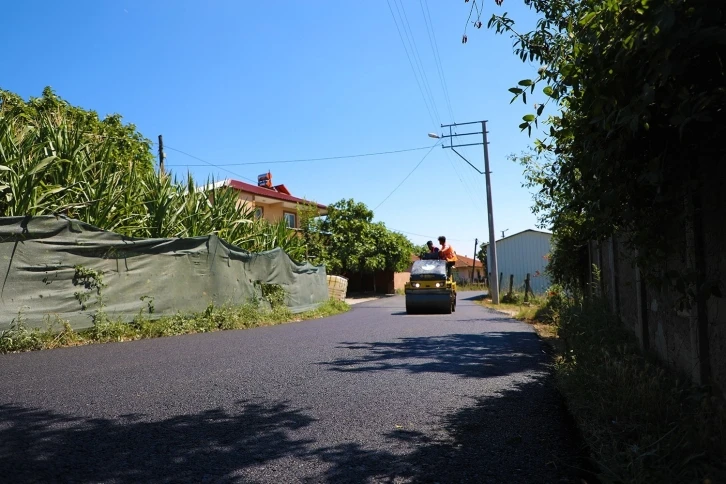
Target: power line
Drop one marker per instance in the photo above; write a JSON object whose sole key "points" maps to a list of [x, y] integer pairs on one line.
{"points": [[417, 58], [427, 88], [208, 163], [426, 236], [437, 55], [319, 159], [465, 183], [410, 173], [415, 74]]}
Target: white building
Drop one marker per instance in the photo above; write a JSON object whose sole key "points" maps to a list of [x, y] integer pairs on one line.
{"points": [[521, 254]]}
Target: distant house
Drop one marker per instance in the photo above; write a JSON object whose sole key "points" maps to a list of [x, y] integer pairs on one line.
{"points": [[463, 269], [270, 202], [521, 254]]}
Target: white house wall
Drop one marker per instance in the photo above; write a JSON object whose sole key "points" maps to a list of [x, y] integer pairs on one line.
{"points": [[521, 254]]}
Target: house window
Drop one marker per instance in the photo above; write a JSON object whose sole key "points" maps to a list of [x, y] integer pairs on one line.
{"points": [[291, 220], [259, 212]]}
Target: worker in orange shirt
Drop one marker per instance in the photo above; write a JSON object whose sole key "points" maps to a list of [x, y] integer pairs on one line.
{"points": [[447, 253]]}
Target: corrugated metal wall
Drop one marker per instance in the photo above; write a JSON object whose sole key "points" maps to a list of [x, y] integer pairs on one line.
{"points": [[521, 254]]}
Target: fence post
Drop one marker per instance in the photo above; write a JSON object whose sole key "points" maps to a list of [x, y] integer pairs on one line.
{"points": [[527, 289], [511, 284], [614, 279], [601, 266], [641, 294]]}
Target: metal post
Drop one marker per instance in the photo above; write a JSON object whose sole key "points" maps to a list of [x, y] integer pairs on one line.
{"points": [[492, 257]]}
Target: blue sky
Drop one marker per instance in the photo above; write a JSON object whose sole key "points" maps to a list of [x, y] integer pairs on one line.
{"points": [[242, 81]]}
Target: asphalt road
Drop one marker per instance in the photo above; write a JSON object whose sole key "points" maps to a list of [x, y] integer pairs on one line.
{"points": [[373, 395]]}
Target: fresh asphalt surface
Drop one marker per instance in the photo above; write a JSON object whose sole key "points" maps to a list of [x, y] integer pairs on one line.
{"points": [[373, 395]]}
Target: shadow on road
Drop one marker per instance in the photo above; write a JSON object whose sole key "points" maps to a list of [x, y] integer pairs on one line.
{"points": [[503, 438], [44, 446], [467, 355]]}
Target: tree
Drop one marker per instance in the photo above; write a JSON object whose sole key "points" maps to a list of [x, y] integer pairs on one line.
{"points": [[637, 88], [314, 239], [481, 255], [396, 248], [352, 243]]}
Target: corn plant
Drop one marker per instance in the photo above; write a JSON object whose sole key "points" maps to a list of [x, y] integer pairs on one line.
{"points": [[60, 159]]}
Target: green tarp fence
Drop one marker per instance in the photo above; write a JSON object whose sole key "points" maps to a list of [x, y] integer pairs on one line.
{"points": [[48, 267]]}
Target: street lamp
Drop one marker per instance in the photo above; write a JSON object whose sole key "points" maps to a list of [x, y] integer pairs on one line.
{"points": [[492, 259]]}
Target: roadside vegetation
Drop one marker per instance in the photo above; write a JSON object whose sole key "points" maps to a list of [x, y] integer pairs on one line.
{"points": [[58, 159], [59, 333], [468, 286], [349, 243], [642, 422], [622, 101], [63, 160]]}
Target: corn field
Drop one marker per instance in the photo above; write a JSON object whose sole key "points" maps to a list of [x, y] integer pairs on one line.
{"points": [[57, 159]]}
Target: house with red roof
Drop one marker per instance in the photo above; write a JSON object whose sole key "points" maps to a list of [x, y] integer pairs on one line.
{"points": [[271, 202], [463, 269]]}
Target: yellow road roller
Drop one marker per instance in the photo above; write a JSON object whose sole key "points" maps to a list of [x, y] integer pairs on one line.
{"points": [[430, 290]]}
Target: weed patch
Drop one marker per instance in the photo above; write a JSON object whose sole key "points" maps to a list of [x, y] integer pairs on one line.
{"points": [[59, 333], [642, 422], [468, 286]]}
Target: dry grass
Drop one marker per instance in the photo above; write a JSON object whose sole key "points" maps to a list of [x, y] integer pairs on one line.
{"points": [[531, 313]]}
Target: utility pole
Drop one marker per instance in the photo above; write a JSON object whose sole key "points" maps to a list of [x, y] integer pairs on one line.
{"points": [[494, 288], [476, 243], [161, 155], [492, 254]]}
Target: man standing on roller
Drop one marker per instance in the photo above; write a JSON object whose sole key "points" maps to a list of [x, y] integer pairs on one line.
{"points": [[448, 254]]}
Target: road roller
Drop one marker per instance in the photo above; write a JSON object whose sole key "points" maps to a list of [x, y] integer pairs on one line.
{"points": [[430, 290]]}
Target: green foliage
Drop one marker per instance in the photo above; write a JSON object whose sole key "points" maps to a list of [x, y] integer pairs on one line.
{"points": [[481, 255], [638, 89], [91, 281], [642, 423], [274, 294], [315, 241], [513, 298], [421, 249], [19, 338], [555, 301], [59, 159], [354, 243]]}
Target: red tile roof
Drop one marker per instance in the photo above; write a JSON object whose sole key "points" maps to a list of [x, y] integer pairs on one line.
{"points": [[269, 192], [464, 261]]}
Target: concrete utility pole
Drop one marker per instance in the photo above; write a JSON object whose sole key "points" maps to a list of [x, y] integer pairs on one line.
{"points": [[492, 265]]}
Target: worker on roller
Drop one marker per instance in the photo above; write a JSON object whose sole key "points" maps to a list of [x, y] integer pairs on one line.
{"points": [[448, 254], [432, 249]]}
